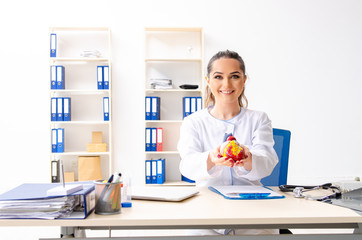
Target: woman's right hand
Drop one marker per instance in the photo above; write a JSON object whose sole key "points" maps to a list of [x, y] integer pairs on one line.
{"points": [[216, 159]]}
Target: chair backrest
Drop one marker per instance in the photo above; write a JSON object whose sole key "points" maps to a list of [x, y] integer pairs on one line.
{"points": [[281, 145]]}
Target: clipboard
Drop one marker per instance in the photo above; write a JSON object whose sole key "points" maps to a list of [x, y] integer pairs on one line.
{"points": [[245, 192]]}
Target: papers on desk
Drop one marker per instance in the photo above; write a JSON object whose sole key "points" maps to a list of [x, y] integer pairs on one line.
{"points": [[50, 208], [243, 192], [30, 200]]}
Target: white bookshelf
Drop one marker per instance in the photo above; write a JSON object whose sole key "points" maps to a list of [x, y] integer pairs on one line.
{"points": [[86, 99], [176, 54]]}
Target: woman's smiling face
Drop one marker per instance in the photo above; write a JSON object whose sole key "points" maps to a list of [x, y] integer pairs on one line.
{"points": [[226, 80]]}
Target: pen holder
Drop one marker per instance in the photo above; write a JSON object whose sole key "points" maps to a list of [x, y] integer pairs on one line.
{"points": [[108, 197]]}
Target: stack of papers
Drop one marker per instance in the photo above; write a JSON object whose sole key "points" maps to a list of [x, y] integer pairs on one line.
{"points": [[160, 83], [30, 200], [43, 208], [245, 192]]}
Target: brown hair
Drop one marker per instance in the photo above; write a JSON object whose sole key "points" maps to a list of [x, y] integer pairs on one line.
{"points": [[210, 99]]}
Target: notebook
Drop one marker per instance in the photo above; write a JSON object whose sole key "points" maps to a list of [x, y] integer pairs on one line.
{"points": [[169, 194]]}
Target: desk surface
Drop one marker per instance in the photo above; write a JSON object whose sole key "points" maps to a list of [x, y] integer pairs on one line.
{"points": [[210, 210]]}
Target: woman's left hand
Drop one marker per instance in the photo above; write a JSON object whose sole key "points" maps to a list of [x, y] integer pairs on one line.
{"points": [[246, 162]]}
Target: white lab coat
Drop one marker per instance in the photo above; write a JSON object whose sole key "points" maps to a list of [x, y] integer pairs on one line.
{"points": [[201, 132]]}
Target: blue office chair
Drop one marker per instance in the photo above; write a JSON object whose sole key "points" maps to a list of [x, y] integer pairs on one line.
{"points": [[281, 145]]}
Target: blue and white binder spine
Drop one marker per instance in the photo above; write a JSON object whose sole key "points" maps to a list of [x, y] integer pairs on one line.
{"points": [[161, 173], [53, 77], [155, 105], [186, 106], [148, 103], [60, 77], [148, 170], [193, 105], [60, 116], [53, 110], [106, 108], [99, 77], [105, 77], [53, 45], [154, 171], [54, 140], [60, 140], [198, 103], [153, 139], [148, 139], [67, 109]]}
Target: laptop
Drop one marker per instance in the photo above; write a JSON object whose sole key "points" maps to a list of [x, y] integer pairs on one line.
{"points": [[351, 199], [168, 194]]}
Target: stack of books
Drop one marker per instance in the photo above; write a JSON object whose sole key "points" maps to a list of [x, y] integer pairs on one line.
{"points": [[160, 83]]}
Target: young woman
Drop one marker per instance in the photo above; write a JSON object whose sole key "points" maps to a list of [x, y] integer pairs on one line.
{"points": [[226, 113]]}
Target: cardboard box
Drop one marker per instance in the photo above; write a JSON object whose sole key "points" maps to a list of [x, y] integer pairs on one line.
{"points": [[97, 147], [69, 176], [89, 168], [97, 137]]}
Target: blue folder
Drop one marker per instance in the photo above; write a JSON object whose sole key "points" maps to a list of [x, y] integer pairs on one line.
{"points": [[106, 108], [53, 77], [245, 192], [161, 171], [60, 78], [148, 170], [155, 108], [67, 116], [53, 108], [53, 45], [60, 140], [148, 106]]}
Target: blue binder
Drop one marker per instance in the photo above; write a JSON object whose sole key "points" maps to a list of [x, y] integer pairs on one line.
{"points": [[53, 110], [60, 77], [153, 139], [148, 139], [148, 171], [154, 171], [67, 109], [148, 103], [186, 106], [198, 103], [105, 77], [192, 105], [161, 171], [155, 106], [60, 140], [54, 140], [106, 108], [53, 45], [53, 77], [60, 116], [99, 77]]}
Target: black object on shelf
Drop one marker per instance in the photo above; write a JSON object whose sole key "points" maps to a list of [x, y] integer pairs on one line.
{"points": [[189, 86]]}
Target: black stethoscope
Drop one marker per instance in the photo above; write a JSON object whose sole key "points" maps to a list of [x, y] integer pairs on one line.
{"points": [[298, 190]]}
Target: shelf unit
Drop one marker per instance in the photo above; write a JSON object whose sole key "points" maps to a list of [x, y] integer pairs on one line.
{"points": [[86, 98], [176, 54]]}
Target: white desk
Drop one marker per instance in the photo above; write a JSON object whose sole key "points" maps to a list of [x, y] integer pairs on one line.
{"points": [[209, 210]]}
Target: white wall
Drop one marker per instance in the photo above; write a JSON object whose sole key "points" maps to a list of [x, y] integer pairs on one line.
{"points": [[303, 59]]}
